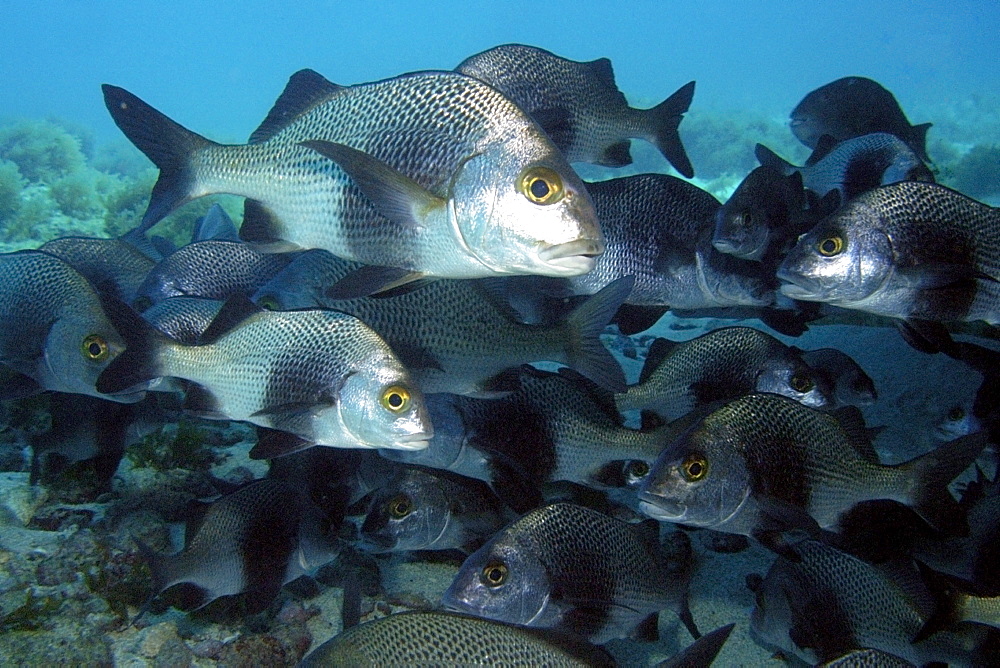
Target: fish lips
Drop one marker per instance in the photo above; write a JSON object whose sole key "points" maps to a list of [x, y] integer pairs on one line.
{"points": [[661, 509], [572, 258]]}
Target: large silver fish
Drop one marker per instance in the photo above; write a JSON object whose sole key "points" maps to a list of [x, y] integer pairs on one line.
{"points": [[323, 376], [568, 567], [579, 105], [55, 334], [906, 250], [430, 173], [764, 457]]}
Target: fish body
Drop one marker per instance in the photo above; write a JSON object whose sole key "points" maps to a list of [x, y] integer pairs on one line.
{"points": [[445, 638], [433, 173], [658, 228], [718, 366], [56, 335], [212, 269], [852, 107], [241, 545], [839, 371], [114, 266], [454, 336], [907, 250], [853, 165], [567, 567], [321, 375], [761, 216], [763, 454], [579, 105], [424, 509], [828, 602], [183, 319]]}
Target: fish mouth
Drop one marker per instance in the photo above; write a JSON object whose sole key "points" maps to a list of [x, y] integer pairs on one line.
{"points": [[571, 258], [661, 509], [411, 442], [796, 286]]}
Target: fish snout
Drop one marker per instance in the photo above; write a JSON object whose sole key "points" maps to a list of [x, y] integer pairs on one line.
{"points": [[573, 257]]}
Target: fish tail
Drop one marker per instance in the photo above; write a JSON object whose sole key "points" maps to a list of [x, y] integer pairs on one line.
{"points": [[138, 363], [168, 144], [931, 474], [585, 352], [665, 119], [918, 140]]}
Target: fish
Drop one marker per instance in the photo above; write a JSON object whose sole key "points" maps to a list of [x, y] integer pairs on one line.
{"points": [[447, 638], [424, 174], [241, 545], [723, 364], [765, 460], [867, 658], [580, 107], [457, 336], [115, 266], [851, 107], [567, 567], [852, 166], [764, 213], [425, 509], [211, 269], [184, 319], [838, 370], [320, 375], [56, 335], [909, 250], [658, 228], [825, 602]]}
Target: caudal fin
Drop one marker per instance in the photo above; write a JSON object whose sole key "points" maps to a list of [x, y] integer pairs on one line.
{"points": [[168, 144], [933, 472], [665, 118], [585, 352]]}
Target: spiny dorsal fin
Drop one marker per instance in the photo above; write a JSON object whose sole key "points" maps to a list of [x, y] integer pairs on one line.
{"points": [[304, 90], [658, 352], [234, 311]]}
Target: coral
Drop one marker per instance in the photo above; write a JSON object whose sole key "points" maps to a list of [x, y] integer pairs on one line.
{"points": [[42, 150], [11, 185], [977, 173], [182, 447], [76, 194]]}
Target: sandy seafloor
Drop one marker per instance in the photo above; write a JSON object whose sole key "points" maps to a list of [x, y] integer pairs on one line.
{"points": [[913, 389]]}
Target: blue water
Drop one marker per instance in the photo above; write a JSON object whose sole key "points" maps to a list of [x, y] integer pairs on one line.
{"points": [[217, 67]]}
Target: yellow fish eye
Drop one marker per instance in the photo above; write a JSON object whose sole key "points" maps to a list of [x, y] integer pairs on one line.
{"points": [[400, 506], [95, 348], [694, 467], [830, 246], [494, 574], [269, 303], [396, 398], [956, 413], [541, 185], [801, 384], [638, 468]]}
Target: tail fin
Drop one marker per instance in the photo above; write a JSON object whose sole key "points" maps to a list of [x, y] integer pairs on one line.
{"points": [[138, 363], [666, 117], [917, 140], [584, 349], [169, 145], [931, 474]]}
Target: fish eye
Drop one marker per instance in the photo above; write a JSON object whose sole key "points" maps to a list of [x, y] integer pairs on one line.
{"points": [[638, 468], [830, 246], [494, 574], [801, 384], [955, 414], [695, 467], [95, 348], [400, 506], [541, 185], [744, 218], [396, 398], [269, 303]]}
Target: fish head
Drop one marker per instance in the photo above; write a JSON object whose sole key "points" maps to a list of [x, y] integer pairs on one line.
{"points": [[79, 346], [505, 581], [521, 210], [795, 379], [379, 406], [845, 260], [741, 231], [699, 480], [723, 283], [411, 515], [451, 437], [806, 126]]}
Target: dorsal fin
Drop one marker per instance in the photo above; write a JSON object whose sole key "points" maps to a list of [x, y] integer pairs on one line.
{"points": [[860, 437], [304, 90], [824, 146], [658, 351], [236, 309], [602, 69]]}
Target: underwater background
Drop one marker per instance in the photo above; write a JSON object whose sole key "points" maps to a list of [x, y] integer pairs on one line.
{"points": [[65, 169]]}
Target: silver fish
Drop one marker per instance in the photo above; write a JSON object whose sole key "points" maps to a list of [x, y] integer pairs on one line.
{"points": [[579, 105], [323, 376], [906, 250], [568, 567], [113, 266], [431, 173]]}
